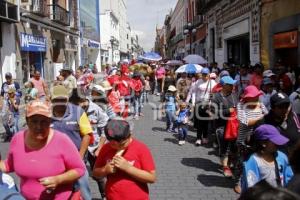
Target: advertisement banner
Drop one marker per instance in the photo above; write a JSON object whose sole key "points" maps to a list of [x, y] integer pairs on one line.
{"points": [[33, 43]]}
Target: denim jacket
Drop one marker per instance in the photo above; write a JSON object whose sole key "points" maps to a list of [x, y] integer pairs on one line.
{"points": [[251, 174]]}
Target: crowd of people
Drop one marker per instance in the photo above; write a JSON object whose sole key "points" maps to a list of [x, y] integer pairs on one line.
{"points": [[249, 114]]}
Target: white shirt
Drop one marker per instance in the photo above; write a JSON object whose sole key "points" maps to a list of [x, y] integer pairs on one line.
{"points": [[295, 101], [265, 98], [199, 93], [70, 82]]}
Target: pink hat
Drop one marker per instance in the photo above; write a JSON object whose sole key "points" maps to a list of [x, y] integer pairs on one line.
{"points": [[251, 92], [38, 107], [213, 75]]}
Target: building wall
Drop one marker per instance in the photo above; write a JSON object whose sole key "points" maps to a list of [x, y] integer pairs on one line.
{"points": [[271, 12]]}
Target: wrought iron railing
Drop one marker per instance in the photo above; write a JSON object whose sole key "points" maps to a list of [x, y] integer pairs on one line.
{"points": [[39, 7], [59, 14]]}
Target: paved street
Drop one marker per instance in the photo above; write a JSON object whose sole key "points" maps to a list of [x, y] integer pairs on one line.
{"points": [[184, 172]]}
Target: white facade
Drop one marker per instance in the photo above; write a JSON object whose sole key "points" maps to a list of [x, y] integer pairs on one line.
{"points": [[8, 52]]}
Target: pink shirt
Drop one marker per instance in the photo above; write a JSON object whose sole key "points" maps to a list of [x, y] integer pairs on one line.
{"points": [[57, 157], [39, 85]]}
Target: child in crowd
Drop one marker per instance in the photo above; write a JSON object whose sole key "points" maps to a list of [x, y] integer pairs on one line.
{"points": [[182, 121], [170, 107], [30, 92]]}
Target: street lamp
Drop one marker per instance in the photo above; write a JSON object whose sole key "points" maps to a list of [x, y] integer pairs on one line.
{"points": [[112, 42], [189, 30]]}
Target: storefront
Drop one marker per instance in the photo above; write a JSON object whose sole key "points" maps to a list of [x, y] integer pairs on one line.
{"points": [[33, 48], [286, 47]]}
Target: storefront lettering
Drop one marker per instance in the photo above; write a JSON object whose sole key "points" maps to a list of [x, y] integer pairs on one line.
{"points": [[32, 43], [286, 40], [93, 44]]}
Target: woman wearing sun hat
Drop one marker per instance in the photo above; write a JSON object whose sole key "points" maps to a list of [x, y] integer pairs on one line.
{"points": [[267, 162], [250, 112]]}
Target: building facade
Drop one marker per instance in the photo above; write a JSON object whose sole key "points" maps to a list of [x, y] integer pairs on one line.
{"points": [[233, 31], [280, 27], [89, 32]]}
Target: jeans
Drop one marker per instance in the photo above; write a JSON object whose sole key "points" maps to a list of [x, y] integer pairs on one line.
{"points": [[84, 187], [170, 115], [11, 130], [145, 96], [137, 104], [182, 130]]}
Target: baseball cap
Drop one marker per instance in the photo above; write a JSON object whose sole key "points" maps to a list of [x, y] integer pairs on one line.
{"points": [[268, 73], [279, 99], [59, 92], [117, 130], [269, 132], [267, 81], [250, 92], [205, 70], [227, 80], [38, 107], [8, 75], [224, 73]]}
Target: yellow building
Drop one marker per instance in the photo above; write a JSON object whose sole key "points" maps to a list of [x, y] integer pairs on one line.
{"points": [[279, 38]]}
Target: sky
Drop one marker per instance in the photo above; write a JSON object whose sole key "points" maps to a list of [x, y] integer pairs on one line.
{"points": [[144, 15]]}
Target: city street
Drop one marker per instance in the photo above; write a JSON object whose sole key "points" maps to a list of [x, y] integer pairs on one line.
{"points": [[183, 172]]}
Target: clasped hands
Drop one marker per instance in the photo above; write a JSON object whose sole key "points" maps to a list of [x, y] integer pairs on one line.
{"points": [[118, 162]]}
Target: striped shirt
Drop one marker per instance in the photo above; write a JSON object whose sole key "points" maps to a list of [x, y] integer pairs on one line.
{"points": [[244, 116]]}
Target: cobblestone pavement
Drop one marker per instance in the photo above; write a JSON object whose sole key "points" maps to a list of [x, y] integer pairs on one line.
{"points": [[184, 172]]}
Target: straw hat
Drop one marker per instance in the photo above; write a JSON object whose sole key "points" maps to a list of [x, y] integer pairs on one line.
{"points": [[172, 88], [105, 85]]}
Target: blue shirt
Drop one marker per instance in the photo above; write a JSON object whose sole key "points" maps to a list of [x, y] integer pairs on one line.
{"points": [[170, 102]]}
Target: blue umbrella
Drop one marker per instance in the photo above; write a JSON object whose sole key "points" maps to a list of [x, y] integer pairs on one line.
{"points": [[151, 56], [189, 68]]}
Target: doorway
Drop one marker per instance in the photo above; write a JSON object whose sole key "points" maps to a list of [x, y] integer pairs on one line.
{"points": [[238, 49]]}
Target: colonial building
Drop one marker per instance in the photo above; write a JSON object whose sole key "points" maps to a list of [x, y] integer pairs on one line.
{"points": [[233, 30], [280, 26]]}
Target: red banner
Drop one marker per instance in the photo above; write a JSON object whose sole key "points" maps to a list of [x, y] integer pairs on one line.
{"points": [[286, 40]]}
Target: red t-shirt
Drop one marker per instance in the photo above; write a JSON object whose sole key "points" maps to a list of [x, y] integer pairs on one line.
{"points": [[124, 86], [120, 185]]}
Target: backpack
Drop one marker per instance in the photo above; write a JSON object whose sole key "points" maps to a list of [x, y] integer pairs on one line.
{"points": [[8, 189]]}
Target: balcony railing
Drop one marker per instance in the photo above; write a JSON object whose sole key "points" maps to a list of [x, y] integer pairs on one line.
{"points": [[198, 20], [8, 12], [59, 14], [39, 7]]}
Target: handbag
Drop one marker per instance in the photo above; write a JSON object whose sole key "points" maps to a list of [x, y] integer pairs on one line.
{"points": [[232, 127]]}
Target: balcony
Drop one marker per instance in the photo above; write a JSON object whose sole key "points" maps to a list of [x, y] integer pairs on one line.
{"points": [[199, 19], [59, 15], [8, 12], [39, 7]]}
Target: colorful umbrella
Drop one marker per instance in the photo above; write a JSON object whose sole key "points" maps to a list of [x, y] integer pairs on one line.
{"points": [[151, 56], [195, 59], [189, 68]]}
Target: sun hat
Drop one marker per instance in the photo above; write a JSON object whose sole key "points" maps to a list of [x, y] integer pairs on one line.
{"points": [[268, 73], [172, 88], [98, 88], [227, 80], [38, 107], [278, 99], [105, 85], [205, 70], [11, 90], [117, 130], [213, 75], [251, 92], [269, 132], [60, 92]]}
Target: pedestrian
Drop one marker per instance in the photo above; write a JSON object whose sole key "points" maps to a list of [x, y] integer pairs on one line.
{"points": [[137, 87], [243, 78], [257, 75], [182, 118], [192, 88], [285, 84], [147, 89], [31, 93], [294, 183], [168, 80], [201, 100], [38, 156], [41, 86], [250, 111], [226, 102], [169, 105], [72, 121], [124, 88], [126, 162], [69, 80], [267, 88], [160, 73], [183, 85], [295, 98], [267, 163]]}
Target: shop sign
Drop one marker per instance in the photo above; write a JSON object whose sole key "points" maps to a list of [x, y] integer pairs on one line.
{"points": [[33, 43], [93, 44], [286, 40]]}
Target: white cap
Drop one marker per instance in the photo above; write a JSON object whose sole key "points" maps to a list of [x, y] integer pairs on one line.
{"points": [[268, 73]]}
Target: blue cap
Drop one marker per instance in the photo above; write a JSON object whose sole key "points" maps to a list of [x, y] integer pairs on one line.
{"points": [[227, 80], [269, 132], [205, 70], [267, 81]]}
